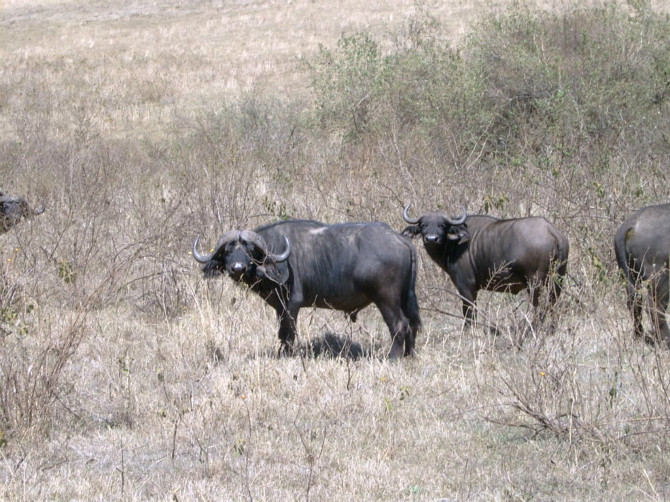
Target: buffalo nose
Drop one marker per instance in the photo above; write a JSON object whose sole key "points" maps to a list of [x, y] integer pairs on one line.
{"points": [[237, 267], [430, 238]]}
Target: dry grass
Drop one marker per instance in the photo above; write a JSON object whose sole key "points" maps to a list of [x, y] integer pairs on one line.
{"points": [[132, 66], [126, 377]]}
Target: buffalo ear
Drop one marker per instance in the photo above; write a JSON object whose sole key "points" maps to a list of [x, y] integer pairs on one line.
{"points": [[459, 234], [411, 231], [463, 237], [276, 272]]}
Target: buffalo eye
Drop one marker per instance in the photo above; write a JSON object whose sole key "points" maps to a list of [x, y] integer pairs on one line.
{"points": [[254, 253]]}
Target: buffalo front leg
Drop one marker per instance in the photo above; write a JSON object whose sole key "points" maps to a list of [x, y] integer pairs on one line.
{"points": [[468, 307], [287, 330]]}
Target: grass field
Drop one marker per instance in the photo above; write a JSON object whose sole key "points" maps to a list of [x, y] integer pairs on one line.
{"points": [[148, 61], [141, 125]]}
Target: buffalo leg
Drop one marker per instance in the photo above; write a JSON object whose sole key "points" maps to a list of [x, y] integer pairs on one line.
{"points": [[553, 279], [287, 330], [411, 312], [657, 304], [539, 312], [555, 287], [554, 290], [399, 327], [410, 340], [538, 291], [468, 308], [635, 306]]}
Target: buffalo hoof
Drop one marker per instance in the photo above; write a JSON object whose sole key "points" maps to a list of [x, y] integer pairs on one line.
{"points": [[285, 350]]}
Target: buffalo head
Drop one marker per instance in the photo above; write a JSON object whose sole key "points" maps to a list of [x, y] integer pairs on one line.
{"points": [[13, 209], [244, 256], [437, 229]]}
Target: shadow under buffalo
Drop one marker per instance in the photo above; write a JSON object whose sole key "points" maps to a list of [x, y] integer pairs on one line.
{"points": [[329, 345], [332, 345]]}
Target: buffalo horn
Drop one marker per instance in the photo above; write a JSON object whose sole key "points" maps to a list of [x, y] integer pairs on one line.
{"points": [[200, 258], [226, 238], [284, 256], [406, 217], [258, 241], [458, 220]]}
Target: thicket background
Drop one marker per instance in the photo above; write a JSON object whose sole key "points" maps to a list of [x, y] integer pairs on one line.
{"points": [[124, 376]]}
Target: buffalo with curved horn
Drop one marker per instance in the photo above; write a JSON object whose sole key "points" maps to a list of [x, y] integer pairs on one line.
{"points": [[642, 248], [13, 209], [342, 267], [482, 252]]}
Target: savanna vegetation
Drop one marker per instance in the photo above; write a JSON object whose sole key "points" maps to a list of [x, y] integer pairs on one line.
{"points": [[124, 375]]}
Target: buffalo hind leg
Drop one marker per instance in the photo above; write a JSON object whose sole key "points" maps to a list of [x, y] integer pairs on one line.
{"points": [[657, 304], [634, 301], [411, 311], [544, 294], [410, 340], [554, 287], [541, 308], [399, 327]]}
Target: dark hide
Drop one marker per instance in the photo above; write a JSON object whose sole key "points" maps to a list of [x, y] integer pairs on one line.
{"points": [[343, 267], [642, 248], [13, 210], [483, 252]]}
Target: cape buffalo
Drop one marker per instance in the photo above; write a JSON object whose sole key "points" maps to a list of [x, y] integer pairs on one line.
{"points": [[482, 252], [13, 209], [642, 248], [295, 264]]}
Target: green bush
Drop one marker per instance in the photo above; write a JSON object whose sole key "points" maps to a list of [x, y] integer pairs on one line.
{"points": [[586, 79], [527, 88], [348, 83]]}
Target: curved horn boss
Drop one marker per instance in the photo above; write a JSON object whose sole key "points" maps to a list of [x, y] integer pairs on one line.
{"points": [[259, 242]]}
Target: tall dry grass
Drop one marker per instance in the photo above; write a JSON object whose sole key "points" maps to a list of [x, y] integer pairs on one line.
{"points": [[140, 126]]}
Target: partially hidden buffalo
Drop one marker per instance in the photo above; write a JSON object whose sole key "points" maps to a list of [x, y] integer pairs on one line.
{"points": [[481, 252], [13, 209], [642, 248], [297, 263]]}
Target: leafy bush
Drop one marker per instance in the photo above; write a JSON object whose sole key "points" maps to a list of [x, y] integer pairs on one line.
{"points": [[586, 79], [530, 88], [349, 84]]}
